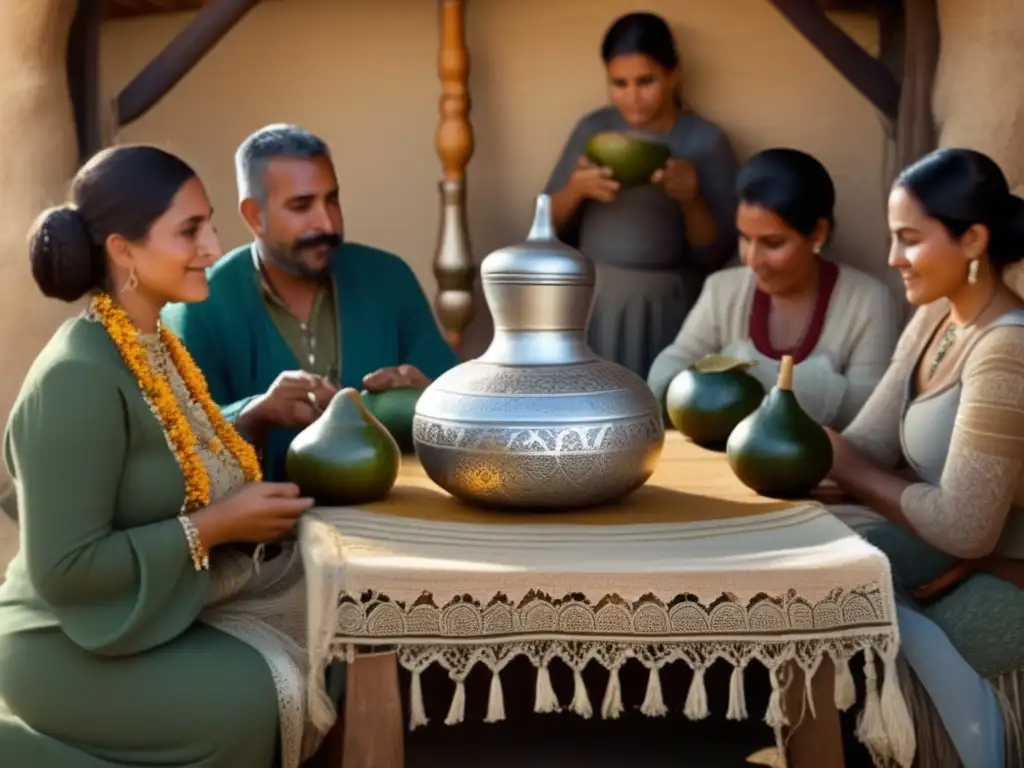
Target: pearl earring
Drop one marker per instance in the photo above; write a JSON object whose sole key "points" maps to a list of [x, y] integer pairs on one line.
{"points": [[972, 272]]}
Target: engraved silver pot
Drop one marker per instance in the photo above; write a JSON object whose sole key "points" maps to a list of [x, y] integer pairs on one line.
{"points": [[539, 420]]}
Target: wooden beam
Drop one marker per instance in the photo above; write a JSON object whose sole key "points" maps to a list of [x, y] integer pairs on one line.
{"points": [[175, 61], [864, 72], [83, 71]]}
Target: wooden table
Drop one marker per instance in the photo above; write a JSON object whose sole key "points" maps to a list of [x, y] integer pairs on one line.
{"points": [[371, 735]]}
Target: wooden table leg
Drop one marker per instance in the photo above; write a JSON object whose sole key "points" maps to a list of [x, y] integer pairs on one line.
{"points": [[818, 741], [374, 734]]}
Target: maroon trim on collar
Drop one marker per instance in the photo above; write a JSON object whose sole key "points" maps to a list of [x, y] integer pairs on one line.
{"points": [[828, 274]]}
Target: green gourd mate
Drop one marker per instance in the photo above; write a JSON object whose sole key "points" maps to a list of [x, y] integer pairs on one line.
{"points": [[779, 450], [395, 409], [632, 158], [707, 400], [346, 456]]}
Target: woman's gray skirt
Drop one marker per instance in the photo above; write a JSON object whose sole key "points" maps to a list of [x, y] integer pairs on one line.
{"points": [[637, 313]]}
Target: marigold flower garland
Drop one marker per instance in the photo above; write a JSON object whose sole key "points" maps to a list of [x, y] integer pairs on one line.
{"points": [[158, 393]]}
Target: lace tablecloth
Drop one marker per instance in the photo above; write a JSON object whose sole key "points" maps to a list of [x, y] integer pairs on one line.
{"points": [[669, 575]]}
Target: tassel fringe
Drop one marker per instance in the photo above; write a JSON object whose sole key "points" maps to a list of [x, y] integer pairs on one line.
{"points": [[696, 707], [737, 696], [845, 692], [870, 729], [775, 715], [545, 701], [495, 700], [417, 712], [654, 700], [896, 719], [611, 707], [580, 698], [457, 711], [884, 725]]}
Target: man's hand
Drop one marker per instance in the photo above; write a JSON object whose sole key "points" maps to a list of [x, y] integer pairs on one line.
{"points": [[392, 378], [294, 400]]}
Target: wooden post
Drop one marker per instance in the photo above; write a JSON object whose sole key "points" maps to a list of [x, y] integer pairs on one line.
{"points": [[454, 265], [83, 67]]}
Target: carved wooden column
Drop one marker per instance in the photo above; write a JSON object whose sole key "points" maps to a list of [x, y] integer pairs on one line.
{"points": [[454, 265]]}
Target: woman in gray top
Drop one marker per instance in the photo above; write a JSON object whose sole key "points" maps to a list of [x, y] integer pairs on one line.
{"points": [[653, 244]]}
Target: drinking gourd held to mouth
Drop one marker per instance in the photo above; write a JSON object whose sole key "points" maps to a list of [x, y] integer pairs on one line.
{"points": [[645, 188], [301, 312]]}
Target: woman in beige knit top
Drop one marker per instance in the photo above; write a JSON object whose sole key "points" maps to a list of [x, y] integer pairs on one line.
{"points": [[937, 453], [838, 324]]}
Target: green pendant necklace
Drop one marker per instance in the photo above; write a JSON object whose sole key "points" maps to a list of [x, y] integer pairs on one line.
{"points": [[949, 337], [945, 344]]}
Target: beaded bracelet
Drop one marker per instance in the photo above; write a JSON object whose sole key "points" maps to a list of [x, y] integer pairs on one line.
{"points": [[200, 557]]}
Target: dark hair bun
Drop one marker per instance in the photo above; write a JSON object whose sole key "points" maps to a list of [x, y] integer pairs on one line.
{"points": [[1012, 234], [65, 262]]}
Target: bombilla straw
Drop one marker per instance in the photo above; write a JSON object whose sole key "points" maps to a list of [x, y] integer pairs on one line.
{"points": [[542, 228]]}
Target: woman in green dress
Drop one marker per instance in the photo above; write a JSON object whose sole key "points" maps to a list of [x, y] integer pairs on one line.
{"points": [[141, 623]]}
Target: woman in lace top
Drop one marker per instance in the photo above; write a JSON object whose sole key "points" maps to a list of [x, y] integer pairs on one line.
{"points": [[937, 453], [839, 324], [133, 628]]}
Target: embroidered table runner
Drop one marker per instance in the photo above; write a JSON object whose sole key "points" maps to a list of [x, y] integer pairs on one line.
{"points": [[691, 568]]}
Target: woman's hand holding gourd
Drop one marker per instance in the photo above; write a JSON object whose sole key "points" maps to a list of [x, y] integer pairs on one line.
{"points": [[590, 182], [679, 179], [255, 513]]}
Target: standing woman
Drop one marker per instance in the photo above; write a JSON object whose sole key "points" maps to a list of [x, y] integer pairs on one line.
{"points": [[653, 244]]}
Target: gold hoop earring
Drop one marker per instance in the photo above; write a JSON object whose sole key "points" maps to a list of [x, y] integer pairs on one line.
{"points": [[132, 282], [972, 272]]}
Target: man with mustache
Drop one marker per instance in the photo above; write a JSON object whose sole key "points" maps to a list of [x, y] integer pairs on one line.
{"points": [[300, 312]]}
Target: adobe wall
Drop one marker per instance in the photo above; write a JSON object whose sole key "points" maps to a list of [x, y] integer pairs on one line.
{"points": [[979, 90], [37, 158]]}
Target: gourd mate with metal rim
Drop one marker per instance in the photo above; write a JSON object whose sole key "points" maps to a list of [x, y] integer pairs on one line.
{"points": [[779, 450], [707, 400], [346, 456]]}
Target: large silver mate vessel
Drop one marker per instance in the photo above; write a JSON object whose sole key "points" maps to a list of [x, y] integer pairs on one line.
{"points": [[539, 420]]}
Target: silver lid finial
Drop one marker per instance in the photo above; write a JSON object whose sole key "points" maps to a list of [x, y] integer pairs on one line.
{"points": [[543, 228]]}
